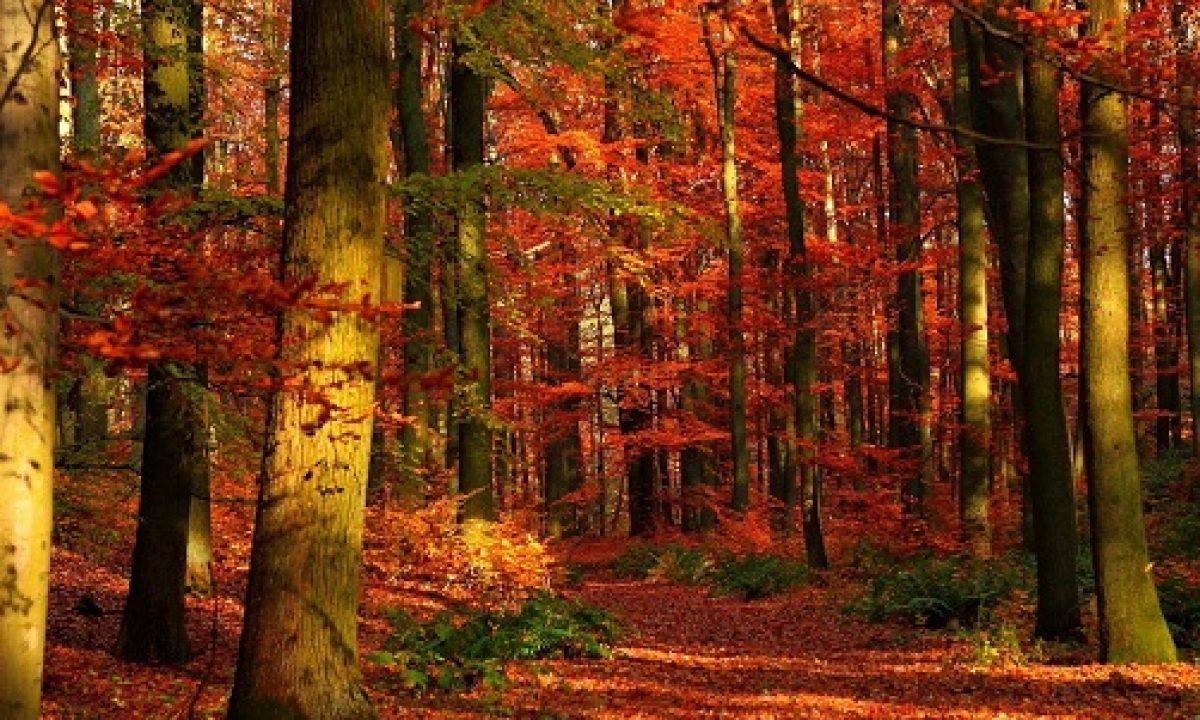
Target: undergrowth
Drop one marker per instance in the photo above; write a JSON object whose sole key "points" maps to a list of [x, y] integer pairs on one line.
{"points": [[751, 576], [461, 648]]}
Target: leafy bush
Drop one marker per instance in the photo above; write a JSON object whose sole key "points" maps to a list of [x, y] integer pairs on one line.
{"points": [[460, 648], [758, 575], [636, 561], [937, 592], [1180, 600], [682, 565]]}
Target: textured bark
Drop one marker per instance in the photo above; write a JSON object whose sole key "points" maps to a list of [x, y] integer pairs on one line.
{"points": [[299, 650], [272, 90], [975, 437], [85, 89], [468, 99], [1132, 628], [1050, 482], [29, 67], [908, 365], [174, 447]]}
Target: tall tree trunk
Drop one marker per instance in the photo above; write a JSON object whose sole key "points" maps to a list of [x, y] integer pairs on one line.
{"points": [[908, 366], [416, 439], [468, 100], [724, 67], [272, 91], [1132, 628], [175, 442], [1050, 483], [1189, 156], [29, 68], [975, 437], [299, 651]]}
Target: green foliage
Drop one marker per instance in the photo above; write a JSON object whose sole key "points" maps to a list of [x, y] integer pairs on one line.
{"points": [[1180, 601], [936, 592], [1175, 500], [461, 648], [1000, 644], [758, 575], [636, 561]]}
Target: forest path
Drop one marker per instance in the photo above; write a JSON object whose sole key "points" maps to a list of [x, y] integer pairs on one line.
{"points": [[690, 655]]}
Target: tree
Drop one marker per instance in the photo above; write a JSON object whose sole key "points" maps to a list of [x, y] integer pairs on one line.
{"points": [[1189, 206], [1132, 628], [29, 67], [468, 100], [908, 357], [298, 657], [975, 437], [1051, 483], [175, 446]]}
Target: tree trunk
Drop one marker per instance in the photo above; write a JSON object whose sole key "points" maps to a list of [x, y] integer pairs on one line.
{"points": [[975, 437], [299, 651], [468, 100], [1050, 482], [29, 136], [908, 366], [1132, 628], [175, 442], [1189, 156]]}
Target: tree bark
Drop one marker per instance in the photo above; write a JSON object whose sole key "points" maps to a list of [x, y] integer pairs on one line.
{"points": [[1132, 628], [174, 446], [1050, 483], [299, 651], [29, 65], [975, 436]]}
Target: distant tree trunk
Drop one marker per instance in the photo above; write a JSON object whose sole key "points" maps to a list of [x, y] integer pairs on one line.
{"points": [[272, 90], [416, 439], [724, 67], [85, 88], [1050, 483], [1132, 628], [908, 366], [1166, 347], [1189, 156], [29, 138], [802, 359], [996, 69], [975, 437], [299, 651], [175, 442], [468, 100]]}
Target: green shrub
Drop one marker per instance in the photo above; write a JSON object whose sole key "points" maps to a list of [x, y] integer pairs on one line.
{"points": [[1180, 601], [758, 575], [636, 561], [460, 648], [937, 592], [682, 565]]}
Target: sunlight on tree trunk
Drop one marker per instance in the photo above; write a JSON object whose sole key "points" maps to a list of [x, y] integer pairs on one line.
{"points": [[299, 650], [975, 436], [29, 138], [1132, 628]]}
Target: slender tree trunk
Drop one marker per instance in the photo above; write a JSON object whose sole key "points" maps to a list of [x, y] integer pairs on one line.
{"points": [[468, 100], [29, 66], [723, 59], [1189, 156], [908, 366], [272, 90], [975, 437], [1132, 628], [175, 441], [1051, 484], [299, 651]]}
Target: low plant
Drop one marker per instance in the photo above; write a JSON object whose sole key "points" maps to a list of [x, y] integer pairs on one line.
{"points": [[636, 561], [938, 592], [461, 648], [1180, 602], [757, 575], [682, 565]]}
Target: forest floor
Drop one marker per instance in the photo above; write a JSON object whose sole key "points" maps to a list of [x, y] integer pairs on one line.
{"points": [[685, 654]]}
